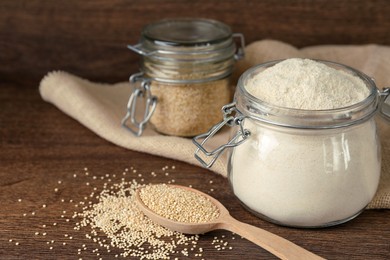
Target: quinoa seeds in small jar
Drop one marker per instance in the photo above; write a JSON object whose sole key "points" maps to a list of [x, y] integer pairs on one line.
{"points": [[185, 71]]}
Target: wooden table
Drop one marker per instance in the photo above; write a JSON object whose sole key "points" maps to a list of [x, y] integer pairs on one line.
{"points": [[44, 153], [41, 146]]}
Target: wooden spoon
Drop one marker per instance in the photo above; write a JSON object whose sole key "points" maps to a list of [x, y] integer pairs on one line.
{"points": [[274, 244]]}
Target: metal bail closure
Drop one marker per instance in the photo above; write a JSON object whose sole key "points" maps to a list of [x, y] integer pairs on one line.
{"points": [[143, 91], [385, 102], [238, 139], [240, 53], [137, 48]]}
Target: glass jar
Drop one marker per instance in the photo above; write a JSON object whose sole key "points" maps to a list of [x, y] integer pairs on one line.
{"points": [[185, 69], [300, 168]]}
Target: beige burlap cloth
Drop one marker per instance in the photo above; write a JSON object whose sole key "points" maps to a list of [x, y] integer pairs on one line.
{"points": [[100, 107]]}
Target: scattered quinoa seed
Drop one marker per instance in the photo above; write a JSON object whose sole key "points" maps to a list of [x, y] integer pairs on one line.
{"points": [[117, 215], [111, 211]]}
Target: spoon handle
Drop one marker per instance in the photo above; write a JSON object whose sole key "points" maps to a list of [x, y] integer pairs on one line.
{"points": [[274, 244]]}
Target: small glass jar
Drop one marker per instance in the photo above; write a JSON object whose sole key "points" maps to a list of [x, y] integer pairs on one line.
{"points": [[301, 168], [185, 69]]}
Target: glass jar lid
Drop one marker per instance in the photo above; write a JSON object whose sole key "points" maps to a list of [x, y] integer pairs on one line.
{"points": [[186, 32], [188, 40]]}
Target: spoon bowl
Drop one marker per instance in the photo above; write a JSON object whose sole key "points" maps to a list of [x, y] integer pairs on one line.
{"points": [[183, 227], [274, 244]]}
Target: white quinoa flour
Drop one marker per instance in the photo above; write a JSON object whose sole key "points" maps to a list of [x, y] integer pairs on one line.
{"points": [[307, 84], [302, 177]]}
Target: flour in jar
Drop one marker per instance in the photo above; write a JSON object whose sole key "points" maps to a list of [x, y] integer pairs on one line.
{"points": [[306, 177], [307, 84]]}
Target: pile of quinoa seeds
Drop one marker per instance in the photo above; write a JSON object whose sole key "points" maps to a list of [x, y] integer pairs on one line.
{"points": [[178, 204], [109, 218]]}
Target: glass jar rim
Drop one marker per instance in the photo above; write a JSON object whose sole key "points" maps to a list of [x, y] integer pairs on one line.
{"points": [[255, 108], [211, 41], [186, 32]]}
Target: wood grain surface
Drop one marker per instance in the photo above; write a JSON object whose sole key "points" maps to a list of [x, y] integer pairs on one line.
{"points": [[90, 37], [40, 146]]}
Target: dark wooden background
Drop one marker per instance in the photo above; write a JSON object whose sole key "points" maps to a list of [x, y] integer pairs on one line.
{"points": [[90, 37], [40, 145]]}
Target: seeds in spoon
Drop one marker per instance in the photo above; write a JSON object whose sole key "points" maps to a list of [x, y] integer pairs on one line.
{"points": [[178, 204]]}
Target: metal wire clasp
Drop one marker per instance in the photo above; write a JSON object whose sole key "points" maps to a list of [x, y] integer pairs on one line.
{"points": [[238, 139], [137, 48], [150, 102], [385, 102], [240, 53]]}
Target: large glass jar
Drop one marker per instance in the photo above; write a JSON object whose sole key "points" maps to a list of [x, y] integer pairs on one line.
{"points": [[185, 69], [301, 168]]}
